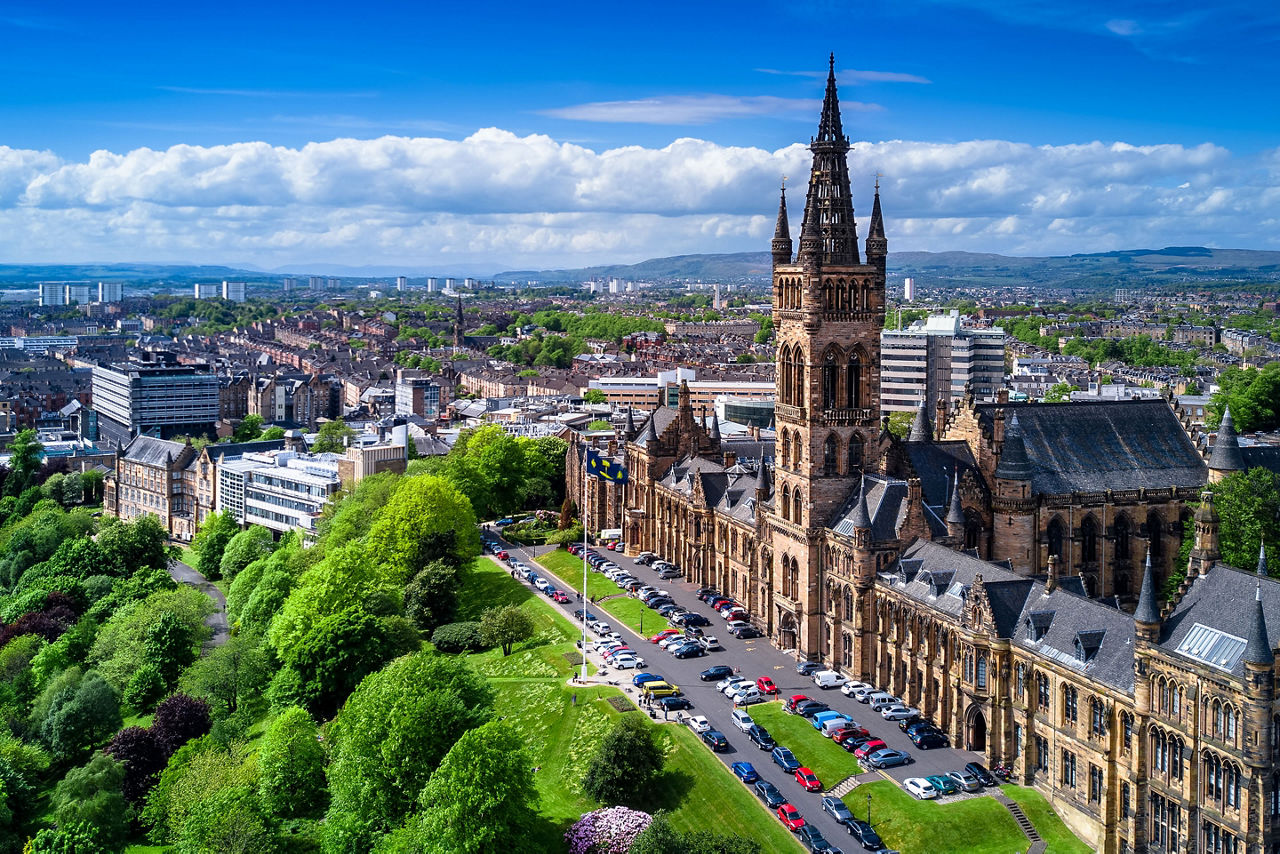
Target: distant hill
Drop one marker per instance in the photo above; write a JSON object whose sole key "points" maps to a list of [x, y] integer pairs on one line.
{"points": [[141, 274], [1097, 270]]}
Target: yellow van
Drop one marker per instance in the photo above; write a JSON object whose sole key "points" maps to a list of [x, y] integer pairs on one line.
{"points": [[660, 689]]}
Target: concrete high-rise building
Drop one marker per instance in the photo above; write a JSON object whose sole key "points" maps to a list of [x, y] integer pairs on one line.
{"points": [[207, 290], [110, 291], [432, 285], [335, 284], [315, 283], [402, 283], [290, 283], [233, 291], [417, 394], [136, 397], [52, 294], [78, 293], [909, 289], [935, 358], [449, 284]]}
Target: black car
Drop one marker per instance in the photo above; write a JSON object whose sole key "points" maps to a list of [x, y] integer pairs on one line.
{"points": [[674, 704], [769, 793], [715, 739], [808, 668], [865, 834], [690, 651], [746, 632], [919, 727], [704, 593], [715, 674], [760, 737], [693, 620], [907, 723], [930, 740], [980, 771], [813, 839], [853, 742], [834, 807], [810, 708]]}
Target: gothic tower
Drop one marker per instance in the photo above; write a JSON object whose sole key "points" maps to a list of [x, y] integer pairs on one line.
{"points": [[828, 310]]}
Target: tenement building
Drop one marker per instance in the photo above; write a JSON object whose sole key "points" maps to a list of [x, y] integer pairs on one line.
{"points": [[1000, 567]]}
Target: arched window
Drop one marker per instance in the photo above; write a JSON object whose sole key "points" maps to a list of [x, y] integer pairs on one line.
{"points": [[830, 455], [1054, 536], [856, 449], [784, 368], [1088, 540], [796, 515], [982, 672], [1155, 535], [830, 379], [853, 383], [784, 452], [1122, 538], [797, 370], [786, 503], [1069, 706], [972, 530]]}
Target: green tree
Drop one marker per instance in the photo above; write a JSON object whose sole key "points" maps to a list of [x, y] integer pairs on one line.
{"points": [[116, 652], [431, 598], [78, 838], [1253, 395], [134, 546], [145, 688], [291, 766], [594, 395], [506, 626], [335, 655], [231, 677], [598, 424], [333, 437], [249, 429], [195, 772], [346, 577], [80, 718], [92, 795], [211, 540], [272, 433], [92, 481], [426, 519], [393, 732], [169, 647], [24, 462], [481, 798], [349, 517], [243, 549], [1060, 393], [1248, 505], [662, 837], [900, 423], [627, 761], [229, 821]]}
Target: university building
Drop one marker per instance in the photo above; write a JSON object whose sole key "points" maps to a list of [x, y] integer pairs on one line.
{"points": [[1001, 567]]}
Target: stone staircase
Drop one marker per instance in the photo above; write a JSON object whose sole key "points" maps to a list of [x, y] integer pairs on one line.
{"points": [[848, 784], [1038, 845]]}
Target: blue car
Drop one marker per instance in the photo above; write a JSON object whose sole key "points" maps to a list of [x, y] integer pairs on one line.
{"points": [[641, 678], [785, 759], [745, 772]]}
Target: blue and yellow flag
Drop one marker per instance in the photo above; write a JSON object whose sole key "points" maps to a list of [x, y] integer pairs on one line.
{"points": [[605, 469]]}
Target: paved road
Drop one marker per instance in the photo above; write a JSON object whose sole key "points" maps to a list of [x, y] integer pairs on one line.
{"points": [[754, 658], [184, 574]]}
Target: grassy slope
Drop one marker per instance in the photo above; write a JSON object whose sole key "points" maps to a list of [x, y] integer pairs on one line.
{"points": [[561, 736], [1050, 827], [831, 762], [624, 610], [973, 826]]}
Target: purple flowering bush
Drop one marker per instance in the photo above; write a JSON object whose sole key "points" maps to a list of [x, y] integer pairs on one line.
{"points": [[607, 831]]}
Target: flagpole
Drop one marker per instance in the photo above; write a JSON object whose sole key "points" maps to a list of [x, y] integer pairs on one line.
{"points": [[586, 598]]}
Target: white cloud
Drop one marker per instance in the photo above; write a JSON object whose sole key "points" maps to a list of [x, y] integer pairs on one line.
{"points": [[495, 199], [690, 109]]}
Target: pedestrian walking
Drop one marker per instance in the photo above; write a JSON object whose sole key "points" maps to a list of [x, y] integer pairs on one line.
{"points": [[575, 699]]}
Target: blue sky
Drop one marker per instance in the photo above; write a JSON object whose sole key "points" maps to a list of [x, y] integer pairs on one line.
{"points": [[542, 134]]}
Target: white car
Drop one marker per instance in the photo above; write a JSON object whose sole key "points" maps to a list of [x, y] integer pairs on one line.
{"points": [[863, 695], [849, 688], [628, 662], [921, 788], [542, 584], [709, 642], [699, 724], [883, 701], [742, 720], [674, 640], [724, 685], [747, 698], [899, 712]]}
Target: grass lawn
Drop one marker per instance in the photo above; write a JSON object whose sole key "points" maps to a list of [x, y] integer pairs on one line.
{"points": [[561, 735], [1048, 824], [824, 757], [188, 557], [973, 826], [624, 610]]}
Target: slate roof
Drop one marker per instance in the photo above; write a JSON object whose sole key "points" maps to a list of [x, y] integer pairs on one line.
{"points": [[1082, 634], [886, 503], [941, 578], [1222, 599], [1261, 456], [151, 451], [1226, 455], [936, 463], [236, 449], [1094, 446]]}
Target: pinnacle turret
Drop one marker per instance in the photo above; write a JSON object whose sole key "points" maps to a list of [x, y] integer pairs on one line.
{"points": [[1147, 611], [861, 517], [829, 235], [877, 243], [1014, 463], [782, 247], [921, 430], [1225, 456], [955, 514], [1257, 648]]}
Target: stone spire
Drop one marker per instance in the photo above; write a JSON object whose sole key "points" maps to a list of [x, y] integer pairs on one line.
{"points": [[861, 518], [1262, 560], [782, 247], [955, 514], [877, 243], [921, 430], [457, 325], [829, 235], [715, 428], [649, 433], [1225, 456], [631, 422], [1257, 648], [1014, 464], [1148, 611], [764, 483]]}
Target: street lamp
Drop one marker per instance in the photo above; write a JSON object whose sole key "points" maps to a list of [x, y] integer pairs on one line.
{"points": [[868, 808]]}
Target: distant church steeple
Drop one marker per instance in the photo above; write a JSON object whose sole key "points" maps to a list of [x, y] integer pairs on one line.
{"points": [[457, 326]]}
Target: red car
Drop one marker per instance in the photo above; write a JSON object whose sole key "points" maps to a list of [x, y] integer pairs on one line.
{"points": [[796, 699], [662, 635], [791, 817], [502, 555], [840, 736], [561, 596], [766, 686], [808, 779], [869, 748]]}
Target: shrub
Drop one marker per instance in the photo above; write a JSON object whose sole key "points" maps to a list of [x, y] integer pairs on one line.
{"points": [[458, 637]]}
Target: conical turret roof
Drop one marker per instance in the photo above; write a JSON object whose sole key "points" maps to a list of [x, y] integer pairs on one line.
{"points": [[921, 430], [1226, 455], [861, 518], [1014, 463], [1257, 648], [1262, 560], [764, 483], [1148, 611], [955, 514]]}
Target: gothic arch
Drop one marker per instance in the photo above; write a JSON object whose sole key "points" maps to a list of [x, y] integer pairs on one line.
{"points": [[787, 634], [855, 379], [831, 366], [1089, 539], [784, 452], [797, 507], [830, 455], [972, 530], [797, 376], [1122, 529], [856, 456], [1055, 534], [786, 503], [1155, 535]]}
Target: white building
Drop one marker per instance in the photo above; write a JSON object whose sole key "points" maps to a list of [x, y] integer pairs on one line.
{"points": [[909, 289], [433, 285], [206, 290], [280, 490], [935, 359], [110, 291], [290, 283], [402, 282], [233, 291], [78, 293], [52, 293]]}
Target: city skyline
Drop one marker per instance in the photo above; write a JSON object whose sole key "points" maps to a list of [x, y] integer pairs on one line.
{"points": [[270, 137]]}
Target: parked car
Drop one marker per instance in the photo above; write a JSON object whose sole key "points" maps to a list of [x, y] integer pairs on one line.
{"points": [[745, 771], [882, 701], [929, 740], [865, 834], [790, 817], [766, 686], [669, 573], [811, 708], [699, 724], [793, 701], [944, 784], [965, 780], [886, 758], [760, 737], [769, 793], [920, 788], [728, 682], [691, 650], [898, 712], [749, 697], [660, 689], [742, 720], [663, 635], [869, 748], [785, 759], [561, 597], [746, 633], [674, 704], [848, 731], [641, 678], [627, 662], [808, 668], [980, 771], [853, 742], [808, 779], [716, 740], [716, 673], [836, 808], [812, 839], [864, 693], [829, 679]]}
